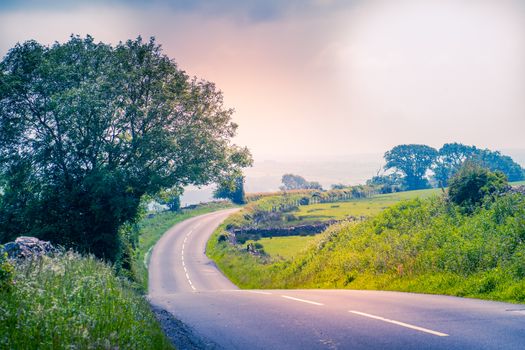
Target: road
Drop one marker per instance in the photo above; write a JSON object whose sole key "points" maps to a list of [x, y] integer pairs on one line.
{"points": [[186, 283]]}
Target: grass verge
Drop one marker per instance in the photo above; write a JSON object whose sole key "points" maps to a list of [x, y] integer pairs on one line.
{"points": [[417, 245], [75, 302], [152, 228]]}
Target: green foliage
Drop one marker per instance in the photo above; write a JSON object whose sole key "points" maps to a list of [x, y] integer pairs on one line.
{"points": [[74, 302], [418, 245], [296, 182], [473, 184], [6, 272], [449, 160], [388, 183], [453, 155], [413, 161], [170, 197], [87, 129], [232, 189], [495, 161]]}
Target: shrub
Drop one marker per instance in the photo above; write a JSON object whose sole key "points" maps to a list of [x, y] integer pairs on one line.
{"points": [[473, 184], [6, 271]]}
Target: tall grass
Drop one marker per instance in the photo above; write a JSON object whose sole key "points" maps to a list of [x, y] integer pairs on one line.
{"points": [[74, 302]]}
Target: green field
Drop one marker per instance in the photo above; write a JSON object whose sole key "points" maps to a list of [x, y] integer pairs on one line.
{"points": [[289, 247], [358, 207], [518, 183], [286, 247]]}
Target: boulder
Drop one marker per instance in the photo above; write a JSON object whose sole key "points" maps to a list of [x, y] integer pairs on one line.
{"points": [[518, 189], [28, 247]]}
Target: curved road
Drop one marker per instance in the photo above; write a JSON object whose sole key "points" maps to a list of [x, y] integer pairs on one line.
{"points": [[185, 282]]}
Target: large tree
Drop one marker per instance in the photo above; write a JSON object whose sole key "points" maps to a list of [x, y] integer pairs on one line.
{"points": [[413, 161], [452, 156], [87, 129], [231, 188], [297, 182], [496, 161], [449, 160]]}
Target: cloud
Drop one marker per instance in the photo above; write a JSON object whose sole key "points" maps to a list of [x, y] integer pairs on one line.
{"points": [[251, 10], [326, 77]]}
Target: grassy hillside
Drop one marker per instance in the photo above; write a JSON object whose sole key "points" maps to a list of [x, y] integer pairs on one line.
{"points": [[419, 245], [74, 302]]}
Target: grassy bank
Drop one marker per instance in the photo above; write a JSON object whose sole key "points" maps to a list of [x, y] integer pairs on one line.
{"points": [[418, 245], [74, 302], [152, 228]]}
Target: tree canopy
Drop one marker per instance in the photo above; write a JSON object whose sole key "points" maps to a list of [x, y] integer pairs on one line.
{"points": [[87, 129], [413, 161], [452, 156], [231, 188], [473, 184], [296, 182], [449, 159]]}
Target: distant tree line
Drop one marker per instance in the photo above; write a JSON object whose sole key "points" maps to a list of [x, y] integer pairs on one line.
{"points": [[421, 166], [296, 182]]}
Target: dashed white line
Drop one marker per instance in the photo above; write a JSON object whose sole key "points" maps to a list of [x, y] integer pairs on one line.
{"points": [[182, 258], [402, 324], [302, 300]]}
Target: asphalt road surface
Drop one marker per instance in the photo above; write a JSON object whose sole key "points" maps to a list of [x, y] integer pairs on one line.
{"points": [[183, 281]]}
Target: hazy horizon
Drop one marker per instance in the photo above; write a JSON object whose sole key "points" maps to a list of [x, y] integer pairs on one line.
{"points": [[266, 173]]}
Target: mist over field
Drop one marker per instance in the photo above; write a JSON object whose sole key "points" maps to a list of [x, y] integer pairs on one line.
{"points": [[265, 175]]}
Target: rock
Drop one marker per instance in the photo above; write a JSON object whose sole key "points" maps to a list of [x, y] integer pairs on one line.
{"points": [[518, 189], [28, 247]]}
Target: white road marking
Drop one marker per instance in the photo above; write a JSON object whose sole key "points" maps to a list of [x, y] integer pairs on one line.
{"points": [[182, 258], [402, 324], [302, 300]]}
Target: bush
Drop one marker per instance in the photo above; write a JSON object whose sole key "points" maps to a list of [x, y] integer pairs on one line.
{"points": [[6, 271], [473, 184]]}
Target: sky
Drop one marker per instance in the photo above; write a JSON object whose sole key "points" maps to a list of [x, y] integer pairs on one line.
{"points": [[311, 79]]}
